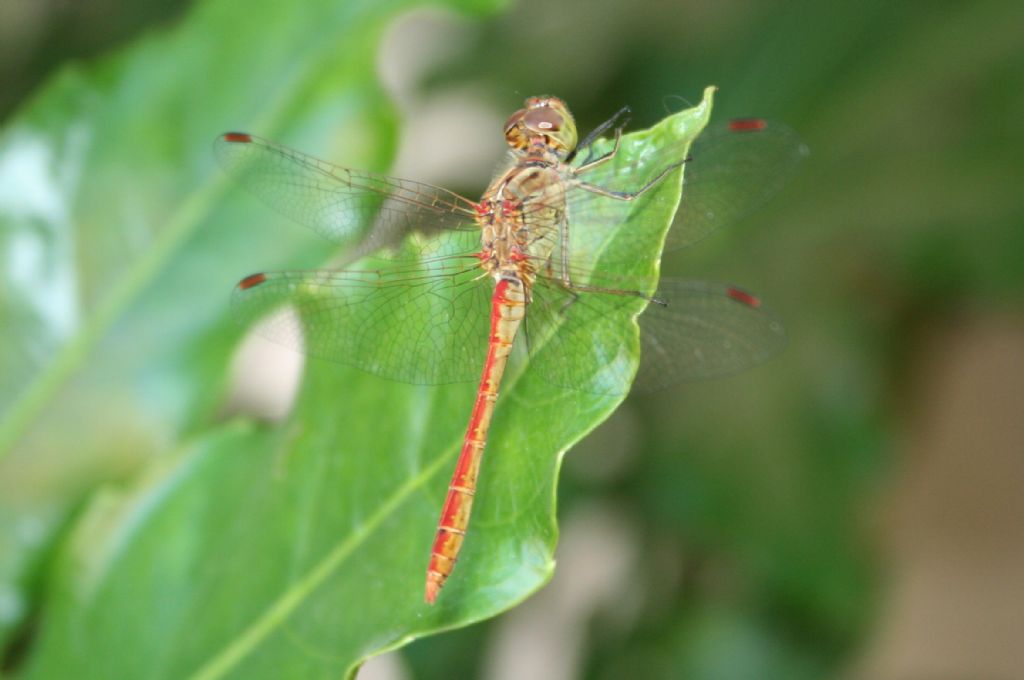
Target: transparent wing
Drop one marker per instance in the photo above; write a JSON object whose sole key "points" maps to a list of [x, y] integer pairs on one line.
{"points": [[338, 203], [575, 337], [698, 330], [691, 331], [731, 170], [424, 324]]}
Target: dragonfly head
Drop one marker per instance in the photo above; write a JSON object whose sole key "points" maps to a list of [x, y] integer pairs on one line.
{"points": [[546, 119]]}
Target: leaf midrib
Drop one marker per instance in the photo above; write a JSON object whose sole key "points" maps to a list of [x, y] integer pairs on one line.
{"points": [[297, 593]]}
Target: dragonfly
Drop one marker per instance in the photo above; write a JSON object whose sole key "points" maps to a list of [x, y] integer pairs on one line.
{"points": [[454, 287]]}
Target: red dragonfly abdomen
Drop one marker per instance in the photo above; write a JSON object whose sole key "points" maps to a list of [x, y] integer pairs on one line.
{"points": [[508, 307]]}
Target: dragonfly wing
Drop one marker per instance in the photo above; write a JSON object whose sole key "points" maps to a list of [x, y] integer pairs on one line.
{"points": [[734, 169], [689, 331], [729, 172], [340, 204], [423, 324], [575, 337], [697, 330]]}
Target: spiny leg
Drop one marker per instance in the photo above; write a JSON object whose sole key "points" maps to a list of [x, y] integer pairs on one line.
{"points": [[591, 164], [573, 290], [631, 195], [589, 140]]}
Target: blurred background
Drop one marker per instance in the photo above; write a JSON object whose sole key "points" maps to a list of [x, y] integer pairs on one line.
{"points": [[854, 508]]}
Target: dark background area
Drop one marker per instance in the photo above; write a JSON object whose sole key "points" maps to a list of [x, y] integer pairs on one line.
{"points": [[853, 507]]}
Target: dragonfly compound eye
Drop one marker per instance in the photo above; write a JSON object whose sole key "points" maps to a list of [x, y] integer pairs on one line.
{"points": [[549, 116], [514, 130]]}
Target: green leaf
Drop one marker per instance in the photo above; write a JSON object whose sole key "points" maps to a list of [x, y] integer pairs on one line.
{"points": [[120, 250], [301, 551]]}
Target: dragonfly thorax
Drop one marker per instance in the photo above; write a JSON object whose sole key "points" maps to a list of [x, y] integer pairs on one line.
{"points": [[525, 214]]}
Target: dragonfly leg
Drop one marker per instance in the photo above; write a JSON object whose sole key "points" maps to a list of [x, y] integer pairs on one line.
{"points": [[631, 195], [573, 299], [589, 140], [591, 164], [561, 255], [574, 289], [564, 274]]}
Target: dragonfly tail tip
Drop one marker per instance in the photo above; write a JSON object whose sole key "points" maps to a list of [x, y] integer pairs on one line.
{"points": [[433, 589]]}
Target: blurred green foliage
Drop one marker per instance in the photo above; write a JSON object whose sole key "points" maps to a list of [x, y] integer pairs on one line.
{"points": [[750, 497]]}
